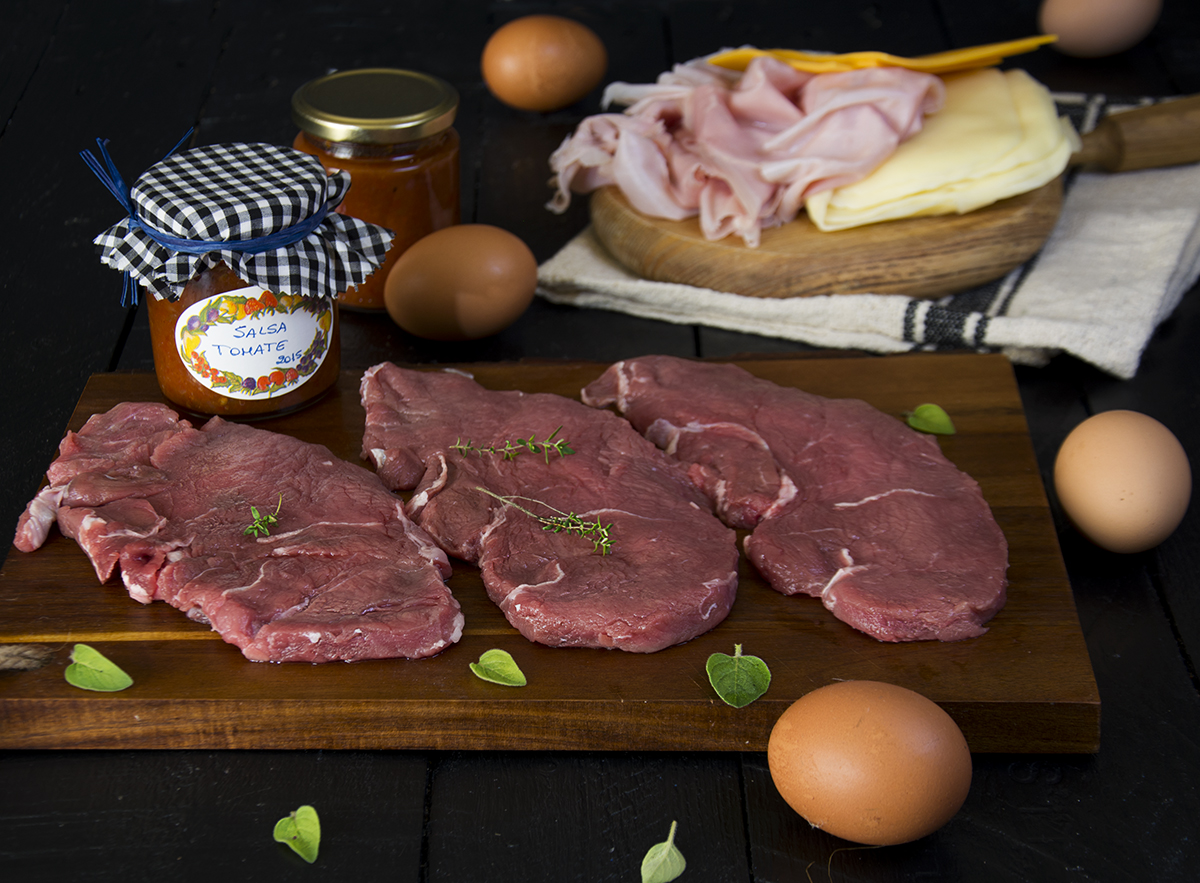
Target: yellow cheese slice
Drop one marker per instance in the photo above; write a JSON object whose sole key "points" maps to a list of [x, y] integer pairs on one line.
{"points": [[951, 61], [997, 135]]}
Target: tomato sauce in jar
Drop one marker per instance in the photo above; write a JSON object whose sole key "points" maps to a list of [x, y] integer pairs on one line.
{"points": [[228, 348], [242, 253], [392, 131]]}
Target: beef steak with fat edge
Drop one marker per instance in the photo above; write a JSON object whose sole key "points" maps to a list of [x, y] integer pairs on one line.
{"points": [[847, 503], [671, 572], [342, 573]]}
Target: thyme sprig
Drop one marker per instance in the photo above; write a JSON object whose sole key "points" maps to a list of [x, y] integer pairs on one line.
{"points": [[512, 448], [561, 522], [260, 527]]}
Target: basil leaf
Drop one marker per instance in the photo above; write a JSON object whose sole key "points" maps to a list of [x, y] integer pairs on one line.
{"points": [[498, 667], [301, 830], [663, 862], [92, 670], [738, 679], [930, 418]]}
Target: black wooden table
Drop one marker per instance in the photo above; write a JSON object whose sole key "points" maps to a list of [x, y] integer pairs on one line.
{"points": [[142, 73]]}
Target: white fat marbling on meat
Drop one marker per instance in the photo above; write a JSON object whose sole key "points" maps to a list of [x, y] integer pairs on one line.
{"points": [[787, 493], [39, 515], [425, 547], [874, 497], [622, 395], [418, 501], [512, 599], [378, 457], [848, 568]]}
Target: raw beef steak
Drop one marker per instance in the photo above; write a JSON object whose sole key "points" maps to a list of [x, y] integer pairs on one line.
{"points": [[847, 503], [671, 571], [342, 573]]}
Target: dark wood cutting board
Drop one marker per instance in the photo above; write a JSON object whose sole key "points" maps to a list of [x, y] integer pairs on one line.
{"points": [[1026, 685]]}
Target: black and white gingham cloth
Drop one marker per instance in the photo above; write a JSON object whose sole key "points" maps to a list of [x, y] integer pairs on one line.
{"points": [[227, 194]]}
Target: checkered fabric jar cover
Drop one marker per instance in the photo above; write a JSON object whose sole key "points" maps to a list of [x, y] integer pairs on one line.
{"points": [[266, 211]]}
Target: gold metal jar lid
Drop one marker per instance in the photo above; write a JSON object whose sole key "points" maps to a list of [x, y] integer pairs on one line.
{"points": [[376, 105]]}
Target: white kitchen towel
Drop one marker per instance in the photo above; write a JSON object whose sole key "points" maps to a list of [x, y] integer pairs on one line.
{"points": [[1124, 251]]}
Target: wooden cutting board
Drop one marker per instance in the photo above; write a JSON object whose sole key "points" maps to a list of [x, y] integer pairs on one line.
{"points": [[1026, 685], [918, 257]]}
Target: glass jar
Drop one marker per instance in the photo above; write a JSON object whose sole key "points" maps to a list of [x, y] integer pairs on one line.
{"points": [[392, 130], [228, 348]]}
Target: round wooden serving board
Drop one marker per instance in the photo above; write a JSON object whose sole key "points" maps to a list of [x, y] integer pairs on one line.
{"points": [[919, 257]]}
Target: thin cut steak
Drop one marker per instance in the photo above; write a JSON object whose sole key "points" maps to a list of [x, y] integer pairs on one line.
{"points": [[342, 573], [847, 503], [671, 572]]}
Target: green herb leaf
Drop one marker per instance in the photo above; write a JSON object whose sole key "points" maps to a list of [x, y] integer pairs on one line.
{"points": [[92, 670], [301, 830], [513, 447], [930, 418], [663, 862], [261, 524], [738, 679], [498, 667], [562, 522]]}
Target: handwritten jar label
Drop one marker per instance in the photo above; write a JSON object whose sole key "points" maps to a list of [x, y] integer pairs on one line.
{"points": [[252, 344]]}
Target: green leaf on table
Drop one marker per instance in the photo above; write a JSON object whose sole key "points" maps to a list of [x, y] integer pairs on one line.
{"points": [[92, 670], [663, 862], [301, 830], [930, 418], [498, 667], [738, 679]]}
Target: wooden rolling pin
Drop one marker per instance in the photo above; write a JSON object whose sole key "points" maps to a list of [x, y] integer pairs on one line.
{"points": [[1164, 134]]}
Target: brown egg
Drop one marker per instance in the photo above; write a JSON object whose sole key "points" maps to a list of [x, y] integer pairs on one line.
{"points": [[1094, 28], [870, 762], [1124, 480], [461, 283], [543, 62]]}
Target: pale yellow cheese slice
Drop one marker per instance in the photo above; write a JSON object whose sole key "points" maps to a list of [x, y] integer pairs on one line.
{"points": [[997, 135]]}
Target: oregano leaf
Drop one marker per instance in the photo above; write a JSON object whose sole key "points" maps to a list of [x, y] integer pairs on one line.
{"points": [[663, 862], [498, 667], [738, 679], [301, 830], [92, 670], [930, 418]]}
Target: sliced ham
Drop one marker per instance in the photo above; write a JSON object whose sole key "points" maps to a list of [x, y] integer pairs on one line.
{"points": [[742, 151]]}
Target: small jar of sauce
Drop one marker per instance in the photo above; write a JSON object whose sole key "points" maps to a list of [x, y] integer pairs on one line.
{"points": [[238, 350], [242, 254], [392, 130]]}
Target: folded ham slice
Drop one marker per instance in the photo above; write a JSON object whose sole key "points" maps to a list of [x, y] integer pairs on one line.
{"points": [[742, 150]]}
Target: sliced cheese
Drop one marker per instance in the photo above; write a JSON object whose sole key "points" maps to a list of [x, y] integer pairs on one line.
{"points": [[968, 58], [997, 135]]}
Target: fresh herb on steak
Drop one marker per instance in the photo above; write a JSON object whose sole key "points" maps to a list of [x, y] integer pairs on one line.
{"points": [[92, 670], [498, 667], [930, 418], [562, 522], [513, 447], [261, 524], [738, 679], [301, 830], [663, 862]]}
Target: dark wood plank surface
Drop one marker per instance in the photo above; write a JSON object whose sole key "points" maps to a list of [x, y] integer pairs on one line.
{"points": [[142, 71], [1024, 686]]}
